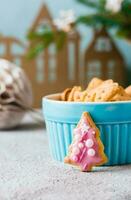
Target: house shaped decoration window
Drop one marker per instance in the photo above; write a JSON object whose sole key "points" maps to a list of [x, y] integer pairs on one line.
{"points": [[40, 69], [52, 63], [2, 49], [103, 44], [12, 49], [110, 68], [71, 61], [94, 69], [103, 59], [43, 24]]}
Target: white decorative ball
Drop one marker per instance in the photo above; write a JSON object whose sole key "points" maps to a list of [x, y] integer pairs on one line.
{"points": [[89, 143], [80, 145], [93, 132], [15, 94], [91, 152]]}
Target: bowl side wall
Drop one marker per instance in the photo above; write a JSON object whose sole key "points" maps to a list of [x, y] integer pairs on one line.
{"points": [[113, 120]]}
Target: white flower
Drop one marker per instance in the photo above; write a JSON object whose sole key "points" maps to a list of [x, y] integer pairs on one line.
{"points": [[114, 5], [66, 18], [61, 25]]}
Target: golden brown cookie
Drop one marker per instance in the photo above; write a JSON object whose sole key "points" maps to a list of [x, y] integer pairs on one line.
{"points": [[121, 95], [95, 82], [89, 96], [106, 82], [106, 91], [65, 94], [128, 90], [73, 91], [83, 95], [77, 96]]}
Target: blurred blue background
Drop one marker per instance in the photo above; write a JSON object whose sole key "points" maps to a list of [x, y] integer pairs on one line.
{"points": [[16, 17]]}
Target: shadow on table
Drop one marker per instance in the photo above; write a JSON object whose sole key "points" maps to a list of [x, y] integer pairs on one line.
{"points": [[30, 126], [25, 127], [113, 168]]}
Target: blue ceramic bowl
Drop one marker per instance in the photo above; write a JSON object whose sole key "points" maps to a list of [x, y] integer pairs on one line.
{"points": [[112, 118]]}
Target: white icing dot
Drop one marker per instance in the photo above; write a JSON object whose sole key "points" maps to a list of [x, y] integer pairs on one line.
{"points": [[93, 132], [91, 152], [85, 128], [89, 143], [75, 150], [80, 145]]}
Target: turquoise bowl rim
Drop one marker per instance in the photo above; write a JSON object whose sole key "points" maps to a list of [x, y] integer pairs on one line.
{"points": [[48, 98], [104, 110]]}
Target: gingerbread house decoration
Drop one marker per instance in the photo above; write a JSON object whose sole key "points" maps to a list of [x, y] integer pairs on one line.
{"points": [[12, 49], [102, 59], [53, 71]]}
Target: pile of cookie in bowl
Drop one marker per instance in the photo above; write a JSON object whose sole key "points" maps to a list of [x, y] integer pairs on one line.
{"points": [[97, 91]]}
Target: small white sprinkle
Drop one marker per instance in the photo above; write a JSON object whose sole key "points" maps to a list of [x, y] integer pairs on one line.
{"points": [[91, 152], [89, 143], [84, 128], [80, 145]]}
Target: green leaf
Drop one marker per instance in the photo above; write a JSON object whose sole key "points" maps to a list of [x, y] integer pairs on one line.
{"points": [[60, 39], [124, 32], [34, 51], [126, 10], [41, 41], [105, 19], [98, 5]]}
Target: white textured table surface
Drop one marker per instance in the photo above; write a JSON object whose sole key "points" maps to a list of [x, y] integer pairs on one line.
{"points": [[27, 172]]}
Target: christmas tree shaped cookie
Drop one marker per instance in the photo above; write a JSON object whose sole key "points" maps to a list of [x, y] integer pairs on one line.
{"points": [[86, 149]]}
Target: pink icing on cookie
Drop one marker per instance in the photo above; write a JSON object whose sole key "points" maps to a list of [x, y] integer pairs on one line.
{"points": [[75, 150], [86, 149], [75, 158], [90, 149]]}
